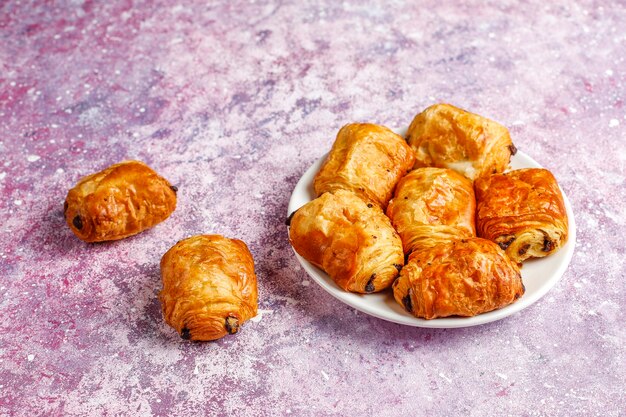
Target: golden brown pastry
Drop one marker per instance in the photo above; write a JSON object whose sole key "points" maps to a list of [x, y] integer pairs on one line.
{"points": [[523, 212], [119, 201], [366, 159], [209, 287], [448, 137], [350, 239], [460, 277], [431, 205]]}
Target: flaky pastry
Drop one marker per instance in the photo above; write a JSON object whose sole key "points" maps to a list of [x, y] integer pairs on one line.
{"points": [[366, 159], [460, 277], [350, 239], [448, 137], [431, 205], [209, 287], [523, 212], [119, 201]]}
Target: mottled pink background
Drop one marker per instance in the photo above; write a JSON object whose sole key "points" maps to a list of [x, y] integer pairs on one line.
{"points": [[232, 101]]}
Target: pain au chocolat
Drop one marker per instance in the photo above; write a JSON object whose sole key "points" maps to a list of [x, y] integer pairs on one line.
{"points": [[448, 137], [431, 205], [209, 287], [350, 239], [366, 159], [522, 211], [119, 201]]}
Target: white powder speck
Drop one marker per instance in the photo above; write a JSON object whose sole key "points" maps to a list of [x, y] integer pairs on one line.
{"points": [[2, 175], [54, 125], [305, 283], [577, 285], [158, 400], [33, 158], [260, 314], [60, 170], [609, 72], [613, 123], [12, 83], [142, 110], [441, 374], [325, 375], [503, 376], [196, 371], [17, 202], [31, 357]]}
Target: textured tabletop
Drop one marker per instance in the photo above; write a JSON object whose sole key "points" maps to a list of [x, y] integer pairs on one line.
{"points": [[232, 101]]}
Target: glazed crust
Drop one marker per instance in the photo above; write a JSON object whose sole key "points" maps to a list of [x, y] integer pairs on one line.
{"points": [[119, 201], [461, 277], [366, 159], [431, 205], [209, 287], [448, 137], [523, 212], [350, 239]]}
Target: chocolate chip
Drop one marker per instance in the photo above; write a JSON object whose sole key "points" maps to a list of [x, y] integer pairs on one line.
{"points": [[77, 222], [513, 149], [288, 221], [231, 324], [517, 296], [174, 188], [370, 205], [398, 267], [370, 284], [523, 249], [65, 206], [548, 244], [505, 244], [185, 333], [408, 304]]}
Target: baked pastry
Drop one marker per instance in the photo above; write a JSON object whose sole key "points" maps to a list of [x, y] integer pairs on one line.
{"points": [[119, 201], [448, 137], [460, 277], [523, 212], [350, 239], [209, 287], [366, 159], [432, 205]]}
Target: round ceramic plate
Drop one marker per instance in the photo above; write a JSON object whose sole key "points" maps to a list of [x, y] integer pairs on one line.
{"points": [[539, 275]]}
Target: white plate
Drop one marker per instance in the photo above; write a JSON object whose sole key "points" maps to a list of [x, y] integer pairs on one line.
{"points": [[539, 275]]}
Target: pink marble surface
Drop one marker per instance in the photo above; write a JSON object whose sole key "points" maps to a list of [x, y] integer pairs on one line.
{"points": [[232, 101]]}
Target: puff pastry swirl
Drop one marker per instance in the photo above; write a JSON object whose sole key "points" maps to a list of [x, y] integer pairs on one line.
{"points": [[460, 277], [350, 239], [523, 212], [366, 159], [119, 201], [448, 137], [209, 287], [431, 205]]}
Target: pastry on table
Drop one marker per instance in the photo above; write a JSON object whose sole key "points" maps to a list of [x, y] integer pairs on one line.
{"points": [[523, 212], [119, 201], [431, 205], [448, 137], [350, 239], [460, 277], [366, 159], [209, 287]]}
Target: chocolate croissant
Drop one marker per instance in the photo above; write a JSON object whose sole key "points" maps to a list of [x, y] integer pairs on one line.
{"points": [[523, 212], [350, 239], [366, 159], [119, 201], [448, 137], [209, 287], [431, 205], [460, 277]]}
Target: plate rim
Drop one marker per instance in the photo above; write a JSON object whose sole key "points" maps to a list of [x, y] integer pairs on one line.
{"points": [[445, 322]]}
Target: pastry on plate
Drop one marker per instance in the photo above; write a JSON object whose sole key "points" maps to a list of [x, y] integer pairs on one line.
{"points": [[119, 201], [460, 277], [448, 137], [209, 287], [366, 159], [350, 239], [431, 205], [523, 212]]}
